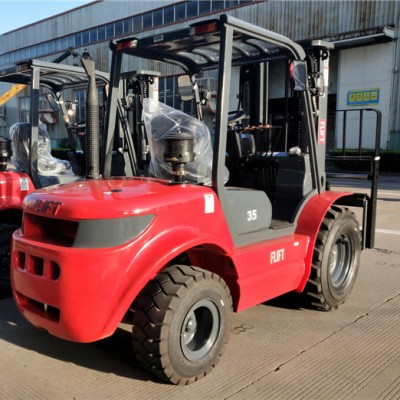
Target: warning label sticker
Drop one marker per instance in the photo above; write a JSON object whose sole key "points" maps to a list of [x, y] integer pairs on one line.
{"points": [[322, 131], [23, 184]]}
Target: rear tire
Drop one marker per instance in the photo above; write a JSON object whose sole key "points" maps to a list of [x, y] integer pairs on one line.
{"points": [[336, 259], [181, 323]]}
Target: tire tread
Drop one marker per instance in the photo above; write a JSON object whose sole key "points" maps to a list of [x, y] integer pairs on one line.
{"points": [[314, 288], [159, 298]]}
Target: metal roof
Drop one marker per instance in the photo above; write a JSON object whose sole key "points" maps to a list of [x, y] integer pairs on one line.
{"points": [[54, 76], [198, 48]]}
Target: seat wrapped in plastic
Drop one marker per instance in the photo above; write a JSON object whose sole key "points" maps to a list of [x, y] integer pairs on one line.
{"points": [[47, 164], [162, 121], [19, 135]]}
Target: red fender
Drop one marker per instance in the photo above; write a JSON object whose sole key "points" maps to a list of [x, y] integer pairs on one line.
{"points": [[309, 224], [147, 264]]}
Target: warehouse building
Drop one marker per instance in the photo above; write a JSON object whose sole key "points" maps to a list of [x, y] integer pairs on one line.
{"points": [[364, 67]]}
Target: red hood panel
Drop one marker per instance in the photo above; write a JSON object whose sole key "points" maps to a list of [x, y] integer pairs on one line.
{"points": [[110, 198]]}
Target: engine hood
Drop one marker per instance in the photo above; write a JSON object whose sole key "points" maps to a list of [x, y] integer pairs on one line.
{"points": [[113, 198]]}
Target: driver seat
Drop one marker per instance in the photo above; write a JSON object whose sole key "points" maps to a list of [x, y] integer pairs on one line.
{"points": [[51, 170]]}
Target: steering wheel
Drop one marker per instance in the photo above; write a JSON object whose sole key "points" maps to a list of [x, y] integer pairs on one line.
{"points": [[236, 116]]}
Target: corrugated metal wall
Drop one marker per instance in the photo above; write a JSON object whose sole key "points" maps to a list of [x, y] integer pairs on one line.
{"points": [[96, 13], [297, 19], [307, 19]]}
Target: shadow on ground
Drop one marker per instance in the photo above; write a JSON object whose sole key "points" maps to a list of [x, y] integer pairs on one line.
{"points": [[111, 355]]}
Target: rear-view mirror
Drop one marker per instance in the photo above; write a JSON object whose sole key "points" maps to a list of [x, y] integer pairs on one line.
{"points": [[185, 87], [298, 75]]}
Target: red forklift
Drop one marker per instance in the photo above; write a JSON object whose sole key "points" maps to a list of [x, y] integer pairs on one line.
{"points": [[26, 162], [203, 223]]}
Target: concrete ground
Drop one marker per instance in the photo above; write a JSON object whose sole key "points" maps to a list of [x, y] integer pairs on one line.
{"points": [[277, 350]]}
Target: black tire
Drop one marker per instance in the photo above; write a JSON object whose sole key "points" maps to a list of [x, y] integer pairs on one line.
{"points": [[336, 259], [181, 323], [6, 231]]}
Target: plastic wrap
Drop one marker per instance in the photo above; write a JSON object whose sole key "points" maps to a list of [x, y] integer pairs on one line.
{"points": [[162, 121], [47, 164]]}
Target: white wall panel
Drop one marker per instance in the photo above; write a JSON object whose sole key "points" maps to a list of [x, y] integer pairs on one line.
{"points": [[361, 69]]}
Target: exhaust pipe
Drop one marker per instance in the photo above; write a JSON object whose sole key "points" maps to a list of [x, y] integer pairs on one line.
{"points": [[92, 123]]}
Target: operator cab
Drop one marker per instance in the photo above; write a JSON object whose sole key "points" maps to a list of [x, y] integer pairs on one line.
{"points": [[54, 98], [268, 130]]}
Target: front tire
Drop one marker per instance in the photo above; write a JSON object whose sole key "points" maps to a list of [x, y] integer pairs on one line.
{"points": [[336, 259], [181, 323]]}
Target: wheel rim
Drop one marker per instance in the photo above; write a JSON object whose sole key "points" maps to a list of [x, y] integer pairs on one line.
{"points": [[340, 261], [200, 330]]}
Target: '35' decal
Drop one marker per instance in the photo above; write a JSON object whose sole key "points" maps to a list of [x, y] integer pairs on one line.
{"points": [[251, 215]]}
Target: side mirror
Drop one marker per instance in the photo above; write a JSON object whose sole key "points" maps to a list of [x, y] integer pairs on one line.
{"points": [[185, 87], [298, 75]]}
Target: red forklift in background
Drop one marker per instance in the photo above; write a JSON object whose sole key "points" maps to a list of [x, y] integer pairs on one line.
{"points": [[26, 162], [207, 223]]}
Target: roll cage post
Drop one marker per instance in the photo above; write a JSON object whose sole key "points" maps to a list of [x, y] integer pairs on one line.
{"points": [[34, 115]]}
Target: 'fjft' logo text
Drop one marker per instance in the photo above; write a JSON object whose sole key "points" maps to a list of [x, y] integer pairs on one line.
{"points": [[277, 255]]}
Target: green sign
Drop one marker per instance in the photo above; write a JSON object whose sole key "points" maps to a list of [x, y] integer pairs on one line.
{"points": [[367, 97]]}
